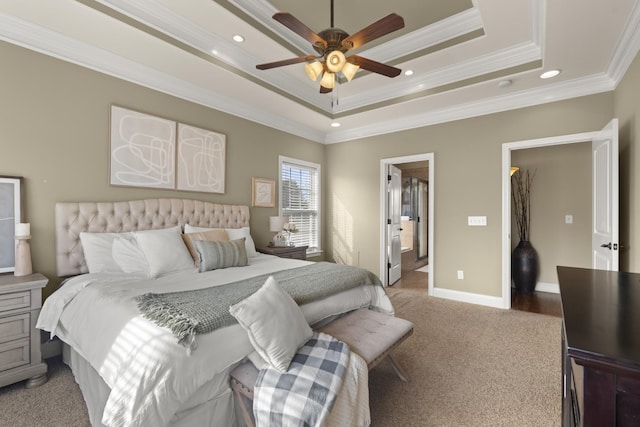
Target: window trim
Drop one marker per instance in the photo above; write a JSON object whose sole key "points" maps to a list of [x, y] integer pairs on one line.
{"points": [[318, 168]]}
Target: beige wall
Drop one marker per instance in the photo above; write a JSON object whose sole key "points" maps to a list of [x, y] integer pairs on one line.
{"points": [[55, 133], [54, 119], [627, 109], [562, 186], [467, 182]]}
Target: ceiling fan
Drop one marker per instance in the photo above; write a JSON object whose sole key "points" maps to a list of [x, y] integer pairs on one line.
{"points": [[332, 44]]}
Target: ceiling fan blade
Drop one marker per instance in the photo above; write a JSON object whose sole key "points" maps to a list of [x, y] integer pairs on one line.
{"points": [[382, 27], [285, 62], [292, 23], [325, 89], [374, 66]]}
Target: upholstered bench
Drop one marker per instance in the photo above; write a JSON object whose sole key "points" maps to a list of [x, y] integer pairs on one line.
{"points": [[370, 334]]}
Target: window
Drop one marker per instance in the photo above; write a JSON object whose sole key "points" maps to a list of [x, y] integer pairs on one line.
{"points": [[300, 200]]}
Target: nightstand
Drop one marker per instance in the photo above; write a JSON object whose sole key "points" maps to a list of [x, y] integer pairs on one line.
{"points": [[20, 357], [296, 252]]}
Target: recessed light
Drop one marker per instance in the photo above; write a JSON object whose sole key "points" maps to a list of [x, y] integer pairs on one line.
{"points": [[505, 83], [549, 74], [335, 124], [408, 73], [238, 38]]}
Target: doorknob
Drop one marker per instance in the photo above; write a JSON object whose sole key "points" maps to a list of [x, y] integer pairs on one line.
{"points": [[606, 245]]}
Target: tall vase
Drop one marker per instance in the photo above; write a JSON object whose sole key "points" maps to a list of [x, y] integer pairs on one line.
{"points": [[524, 267]]}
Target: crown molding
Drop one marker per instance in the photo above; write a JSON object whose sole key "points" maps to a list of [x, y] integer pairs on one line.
{"points": [[499, 60], [627, 48], [564, 90]]}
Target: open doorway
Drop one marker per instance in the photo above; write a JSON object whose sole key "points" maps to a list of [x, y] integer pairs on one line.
{"points": [[407, 222], [604, 203]]}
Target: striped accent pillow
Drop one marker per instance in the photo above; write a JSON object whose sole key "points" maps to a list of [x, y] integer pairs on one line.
{"points": [[221, 254]]}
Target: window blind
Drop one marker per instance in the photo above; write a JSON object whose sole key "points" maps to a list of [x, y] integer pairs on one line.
{"points": [[299, 191]]}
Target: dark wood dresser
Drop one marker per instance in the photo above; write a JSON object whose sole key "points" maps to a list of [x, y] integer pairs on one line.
{"points": [[600, 347]]}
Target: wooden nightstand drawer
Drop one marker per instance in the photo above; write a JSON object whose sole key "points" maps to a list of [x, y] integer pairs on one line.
{"points": [[14, 327], [295, 252], [20, 355], [14, 354], [15, 301]]}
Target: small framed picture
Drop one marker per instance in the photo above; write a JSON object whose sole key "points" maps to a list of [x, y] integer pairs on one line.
{"points": [[263, 192], [11, 188]]}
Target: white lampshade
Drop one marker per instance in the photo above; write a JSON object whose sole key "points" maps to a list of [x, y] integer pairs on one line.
{"points": [[335, 61], [313, 70], [277, 222], [328, 80], [349, 70]]}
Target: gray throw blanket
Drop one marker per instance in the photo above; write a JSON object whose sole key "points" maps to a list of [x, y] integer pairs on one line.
{"points": [[305, 394], [192, 312]]}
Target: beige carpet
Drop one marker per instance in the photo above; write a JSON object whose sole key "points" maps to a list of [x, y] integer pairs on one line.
{"points": [[468, 366]]}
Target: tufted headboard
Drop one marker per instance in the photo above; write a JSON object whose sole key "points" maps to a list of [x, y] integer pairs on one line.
{"points": [[113, 217]]}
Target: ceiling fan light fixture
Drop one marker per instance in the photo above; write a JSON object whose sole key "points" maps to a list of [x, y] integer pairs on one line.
{"points": [[349, 70], [328, 80], [335, 61], [314, 70]]}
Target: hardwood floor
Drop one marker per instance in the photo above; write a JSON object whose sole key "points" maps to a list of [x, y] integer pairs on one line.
{"points": [[412, 279], [537, 302]]}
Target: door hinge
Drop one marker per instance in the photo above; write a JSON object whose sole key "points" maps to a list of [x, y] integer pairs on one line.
{"points": [[388, 265], [389, 221], [388, 177]]}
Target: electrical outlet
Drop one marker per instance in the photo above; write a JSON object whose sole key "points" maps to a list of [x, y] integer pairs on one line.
{"points": [[568, 219], [460, 275]]}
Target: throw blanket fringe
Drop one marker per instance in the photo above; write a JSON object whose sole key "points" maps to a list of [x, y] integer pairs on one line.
{"points": [[305, 394], [188, 313]]}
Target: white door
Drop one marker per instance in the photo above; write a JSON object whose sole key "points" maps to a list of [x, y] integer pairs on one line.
{"points": [[394, 194], [605, 245]]}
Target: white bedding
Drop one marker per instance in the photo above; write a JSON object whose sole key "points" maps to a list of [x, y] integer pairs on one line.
{"points": [[150, 376]]}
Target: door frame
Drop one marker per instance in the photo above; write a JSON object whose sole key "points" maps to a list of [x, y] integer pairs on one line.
{"points": [[506, 196], [430, 159]]}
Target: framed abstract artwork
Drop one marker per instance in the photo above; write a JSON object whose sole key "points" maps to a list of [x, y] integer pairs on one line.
{"points": [[11, 188], [143, 149], [263, 192], [200, 160]]}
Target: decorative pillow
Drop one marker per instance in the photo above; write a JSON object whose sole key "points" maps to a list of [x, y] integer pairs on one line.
{"points": [[97, 249], [234, 234], [275, 324], [164, 250], [221, 254], [211, 235], [129, 257], [239, 233]]}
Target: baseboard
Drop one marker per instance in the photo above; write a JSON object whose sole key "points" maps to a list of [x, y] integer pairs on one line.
{"points": [[469, 297], [552, 288]]}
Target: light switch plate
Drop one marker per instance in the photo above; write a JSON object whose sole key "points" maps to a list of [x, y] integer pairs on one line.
{"points": [[477, 221]]}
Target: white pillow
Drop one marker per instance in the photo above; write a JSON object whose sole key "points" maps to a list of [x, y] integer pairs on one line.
{"points": [[164, 250], [129, 257], [239, 233], [188, 228], [234, 234], [275, 324], [97, 248]]}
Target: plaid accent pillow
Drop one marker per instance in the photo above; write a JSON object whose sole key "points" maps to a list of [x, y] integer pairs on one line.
{"points": [[221, 254]]}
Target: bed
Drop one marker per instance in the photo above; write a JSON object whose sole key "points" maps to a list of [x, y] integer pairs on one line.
{"points": [[130, 370]]}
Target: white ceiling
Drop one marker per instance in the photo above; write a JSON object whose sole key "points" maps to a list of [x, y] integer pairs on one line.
{"points": [[459, 51]]}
